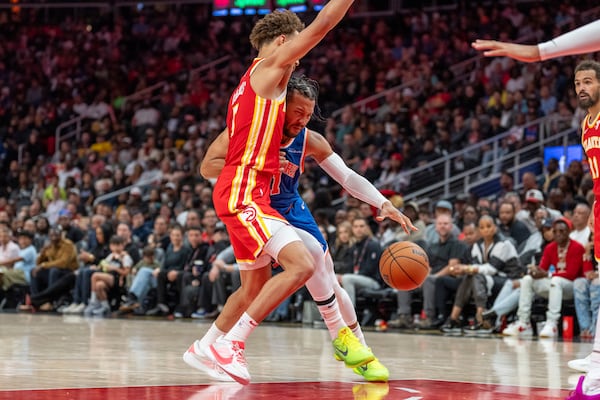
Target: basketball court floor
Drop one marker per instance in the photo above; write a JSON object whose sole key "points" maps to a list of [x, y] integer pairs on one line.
{"points": [[71, 357]]}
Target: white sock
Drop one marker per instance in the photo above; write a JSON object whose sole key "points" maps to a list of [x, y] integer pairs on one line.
{"points": [[211, 335], [242, 329], [591, 384], [358, 333], [105, 304], [330, 312], [93, 298]]}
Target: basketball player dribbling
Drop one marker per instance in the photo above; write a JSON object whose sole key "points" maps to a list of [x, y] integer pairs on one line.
{"points": [[258, 233], [587, 88], [298, 143]]}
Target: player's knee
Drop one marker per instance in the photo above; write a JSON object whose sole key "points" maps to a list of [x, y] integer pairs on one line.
{"points": [[302, 267]]}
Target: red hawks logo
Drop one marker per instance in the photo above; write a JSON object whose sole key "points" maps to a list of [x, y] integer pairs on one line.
{"points": [[249, 214]]}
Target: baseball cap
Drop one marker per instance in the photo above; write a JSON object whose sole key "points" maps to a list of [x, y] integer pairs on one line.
{"points": [[534, 195], [547, 222], [136, 191], [412, 204], [564, 220], [171, 185], [74, 191], [444, 204]]}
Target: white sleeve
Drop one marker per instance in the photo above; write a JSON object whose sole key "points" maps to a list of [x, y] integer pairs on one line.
{"points": [[354, 184], [585, 39]]}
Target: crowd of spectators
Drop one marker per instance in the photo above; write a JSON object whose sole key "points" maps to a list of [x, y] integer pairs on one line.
{"points": [[52, 71]]}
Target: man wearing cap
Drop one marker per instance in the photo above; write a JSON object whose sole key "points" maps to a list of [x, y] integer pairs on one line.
{"points": [[431, 234], [71, 231], [17, 271], [562, 262], [534, 199]]}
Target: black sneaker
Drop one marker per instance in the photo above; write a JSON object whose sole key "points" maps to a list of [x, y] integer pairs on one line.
{"points": [[452, 327], [479, 329]]}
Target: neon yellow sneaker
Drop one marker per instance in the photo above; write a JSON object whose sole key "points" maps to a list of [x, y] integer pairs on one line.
{"points": [[349, 349], [370, 391], [373, 371]]}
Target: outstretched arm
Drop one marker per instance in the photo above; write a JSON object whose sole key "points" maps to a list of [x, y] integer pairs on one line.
{"points": [[578, 41], [214, 159], [352, 182]]}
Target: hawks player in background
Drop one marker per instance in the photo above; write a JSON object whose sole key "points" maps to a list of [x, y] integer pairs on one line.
{"points": [[587, 87]]}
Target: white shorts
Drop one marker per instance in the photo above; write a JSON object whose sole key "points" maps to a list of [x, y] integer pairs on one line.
{"points": [[283, 234]]}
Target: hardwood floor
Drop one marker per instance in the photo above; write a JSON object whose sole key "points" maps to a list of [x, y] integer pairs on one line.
{"points": [[55, 352]]}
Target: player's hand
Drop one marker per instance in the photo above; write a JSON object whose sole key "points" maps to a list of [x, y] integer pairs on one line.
{"points": [[282, 161], [493, 48], [389, 211]]}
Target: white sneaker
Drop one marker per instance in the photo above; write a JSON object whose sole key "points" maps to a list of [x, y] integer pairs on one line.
{"points": [[518, 329], [68, 309], [549, 330], [196, 357], [229, 355], [581, 364], [78, 309]]}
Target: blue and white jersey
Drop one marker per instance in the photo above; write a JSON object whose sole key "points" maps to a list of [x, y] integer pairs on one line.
{"points": [[284, 189]]}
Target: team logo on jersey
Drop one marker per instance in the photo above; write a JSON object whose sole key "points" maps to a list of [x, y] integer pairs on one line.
{"points": [[290, 169], [249, 214]]}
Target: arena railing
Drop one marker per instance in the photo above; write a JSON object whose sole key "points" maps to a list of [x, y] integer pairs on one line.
{"points": [[73, 127], [438, 179]]}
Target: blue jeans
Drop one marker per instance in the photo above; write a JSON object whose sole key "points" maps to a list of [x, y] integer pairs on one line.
{"points": [[507, 300], [142, 283], [587, 301], [83, 285]]}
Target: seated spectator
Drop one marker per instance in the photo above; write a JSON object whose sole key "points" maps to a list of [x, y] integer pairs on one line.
{"points": [[493, 260], [566, 257], [18, 270], [507, 300], [365, 260], [53, 276], [106, 283], [581, 230], [90, 260], [143, 280], [441, 207], [175, 257], [55, 260], [340, 252], [9, 250], [509, 226]]}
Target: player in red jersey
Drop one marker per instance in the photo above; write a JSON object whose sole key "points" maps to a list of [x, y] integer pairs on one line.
{"points": [[587, 86], [241, 195]]}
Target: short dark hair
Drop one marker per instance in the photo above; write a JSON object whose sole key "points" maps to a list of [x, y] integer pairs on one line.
{"points": [[589, 65], [116, 239]]}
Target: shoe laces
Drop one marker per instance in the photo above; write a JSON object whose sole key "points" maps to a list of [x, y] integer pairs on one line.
{"points": [[238, 353], [348, 338]]}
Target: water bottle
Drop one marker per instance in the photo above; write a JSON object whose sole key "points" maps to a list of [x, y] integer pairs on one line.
{"points": [[551, 270]]}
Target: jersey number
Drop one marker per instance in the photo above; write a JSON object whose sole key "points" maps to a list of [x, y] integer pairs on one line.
{"points": [[593, 163], [275, 183], [234, 111]]}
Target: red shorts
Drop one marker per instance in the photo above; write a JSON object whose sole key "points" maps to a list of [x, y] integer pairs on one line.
{"points": [[248, 227]]}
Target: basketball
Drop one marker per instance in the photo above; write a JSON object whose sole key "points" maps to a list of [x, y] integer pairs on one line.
{"points": [[404, 265]]}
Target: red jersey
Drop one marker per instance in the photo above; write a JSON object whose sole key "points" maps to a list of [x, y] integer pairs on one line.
{"points": [[590, 140], [254, 124], [241, 195]]}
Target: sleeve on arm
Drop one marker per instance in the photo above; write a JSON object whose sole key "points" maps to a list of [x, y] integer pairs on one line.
{"points": [[578, 41], [355, 184]]}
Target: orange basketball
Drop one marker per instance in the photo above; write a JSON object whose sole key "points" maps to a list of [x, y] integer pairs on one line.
{"points": [[404, 265]]}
